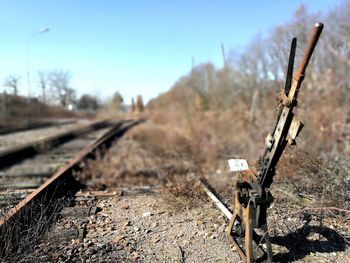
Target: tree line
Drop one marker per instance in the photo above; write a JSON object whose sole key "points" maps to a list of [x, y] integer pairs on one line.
{"points": [[260, 67], [247, 87], [55, 89]]}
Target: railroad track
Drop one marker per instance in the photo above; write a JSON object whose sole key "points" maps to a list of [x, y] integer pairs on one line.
{"points": [[38, 173], [36, 125], [19, 180], [15, 147], [63, 210]]}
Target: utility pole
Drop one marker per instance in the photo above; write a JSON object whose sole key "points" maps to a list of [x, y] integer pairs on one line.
{"points": [[223, 55], [193, 63]]}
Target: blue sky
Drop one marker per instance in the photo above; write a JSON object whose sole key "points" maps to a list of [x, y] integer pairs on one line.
{"points": [[134, 47]]}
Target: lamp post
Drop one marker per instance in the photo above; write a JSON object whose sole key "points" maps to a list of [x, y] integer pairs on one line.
{"points": [[40, 31]]}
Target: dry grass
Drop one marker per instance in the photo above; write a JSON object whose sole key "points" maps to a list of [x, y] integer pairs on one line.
{"points": [[138, 159], [326, 181], [18, 238]]}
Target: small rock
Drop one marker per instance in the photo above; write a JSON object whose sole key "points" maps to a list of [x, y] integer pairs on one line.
{"points": [[118, 238], [186, 242], [207, 234], [124, 207], [156, 240], [147, 214], [134, 256], [127, 223], [101, 246], [222, 228], [199, 222], [154, 225], [221, 217]]}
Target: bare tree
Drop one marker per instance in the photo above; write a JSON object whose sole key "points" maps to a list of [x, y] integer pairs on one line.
{"points": [[59, 83], [12, 82], [43, 84]]}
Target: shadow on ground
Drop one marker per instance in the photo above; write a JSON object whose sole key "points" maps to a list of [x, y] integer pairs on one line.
{"points": [[309, 239]]}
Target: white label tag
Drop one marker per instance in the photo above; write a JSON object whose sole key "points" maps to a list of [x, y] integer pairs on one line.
{"points": [[238, 165]]}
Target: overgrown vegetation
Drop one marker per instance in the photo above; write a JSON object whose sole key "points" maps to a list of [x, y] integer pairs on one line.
{"points": [[226, 113], [247, 88], [326, 183]]}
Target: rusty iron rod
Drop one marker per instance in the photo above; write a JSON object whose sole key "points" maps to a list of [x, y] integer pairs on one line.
{"points": [[315, 35], [216, 201]]}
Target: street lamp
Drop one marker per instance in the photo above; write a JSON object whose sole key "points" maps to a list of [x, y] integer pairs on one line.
{"points": [[40, 31]]}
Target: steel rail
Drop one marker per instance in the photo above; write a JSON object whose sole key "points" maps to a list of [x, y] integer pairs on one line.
{"points": [[216, 200]]}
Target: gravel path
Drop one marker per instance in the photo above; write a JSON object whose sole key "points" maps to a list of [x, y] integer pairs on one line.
{"points": [[142, 229]]}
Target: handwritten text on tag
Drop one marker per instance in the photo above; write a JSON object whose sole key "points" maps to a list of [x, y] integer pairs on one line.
{"points": [[238, 165]]}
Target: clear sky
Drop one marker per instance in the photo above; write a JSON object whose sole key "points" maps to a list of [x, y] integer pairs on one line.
{"points": [[134, 47]]}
